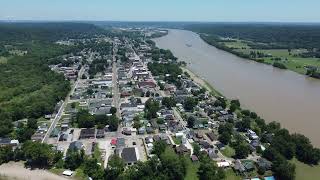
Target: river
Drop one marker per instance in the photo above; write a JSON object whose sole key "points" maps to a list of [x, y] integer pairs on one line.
{"points": [[276, 95]]}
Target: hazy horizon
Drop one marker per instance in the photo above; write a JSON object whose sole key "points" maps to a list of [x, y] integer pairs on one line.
{"points": [[162, 11]]}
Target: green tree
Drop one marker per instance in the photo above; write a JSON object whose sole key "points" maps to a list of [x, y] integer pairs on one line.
{"points": [[92, 169], [191, 121], [242, 151], [209, 171], [189, 103], [6, 154], [225, 138], [113, 123], [38, 154], [151, 108], [113, 110], [32, 123], [159, 147], [84, 119], [169, 102], [283, 169], [196, 149], [172, 165], [115, 167], [136, 122], [74, 159]]}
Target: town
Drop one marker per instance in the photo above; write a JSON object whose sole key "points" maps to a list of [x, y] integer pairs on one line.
{"points": [[131, 102], [128, 95]]}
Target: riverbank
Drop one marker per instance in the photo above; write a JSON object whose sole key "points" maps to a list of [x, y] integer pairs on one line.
{"points": [[201, 81], [274, 94], [278, 58]]}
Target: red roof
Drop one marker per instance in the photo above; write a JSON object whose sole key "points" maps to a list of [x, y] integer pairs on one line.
{"points": [[113, 142]]}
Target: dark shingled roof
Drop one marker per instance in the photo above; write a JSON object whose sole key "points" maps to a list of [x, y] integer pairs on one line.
{"points": [[129, 155]]}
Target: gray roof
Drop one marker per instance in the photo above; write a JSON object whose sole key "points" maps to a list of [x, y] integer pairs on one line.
{"points": [[129, 155], [76, 145]]}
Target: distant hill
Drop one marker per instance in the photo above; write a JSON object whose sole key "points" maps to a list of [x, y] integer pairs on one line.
{"points": [[280, 35]]}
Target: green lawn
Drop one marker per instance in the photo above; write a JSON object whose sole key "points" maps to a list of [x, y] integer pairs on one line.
{"points": [[97, 154], [192, 170], [293, 63], [177, 140], [228, 151], [306, 172], [230, 175]]}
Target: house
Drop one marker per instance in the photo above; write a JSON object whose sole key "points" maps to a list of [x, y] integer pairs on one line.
{"points": [[63, 137], [150, 130], [148, 140], [223, 164], [249, 165], [211, 136], [182, 149], [65, 125], [5, 141], [254, 144], [113, 142], [204, 144], [76, 145], [129, 155], [213, 154], [162, 127], [100, 133], [37, 136], [220, 145], [169, 87], [146, 84], [252, 135], [87, 133], [194, 158], [142, 130], [126, 131], [263, 163], [239, 167], [156, 138], [120, 143]]}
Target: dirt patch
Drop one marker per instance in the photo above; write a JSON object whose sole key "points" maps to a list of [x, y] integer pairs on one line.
{"points": [[16, 170]]}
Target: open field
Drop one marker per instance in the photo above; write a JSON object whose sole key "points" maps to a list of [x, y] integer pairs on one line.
{"points": [[237, 44], [228, 151], [230, 175], [292, 62], [306, 172], [16, 170], [192, 170]]}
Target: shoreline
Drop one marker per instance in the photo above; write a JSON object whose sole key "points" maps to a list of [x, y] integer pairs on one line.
{"points": [[224, 48], [201, 81]]}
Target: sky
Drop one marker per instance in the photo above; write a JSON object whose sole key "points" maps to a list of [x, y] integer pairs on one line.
{"points": [[163, 10]]}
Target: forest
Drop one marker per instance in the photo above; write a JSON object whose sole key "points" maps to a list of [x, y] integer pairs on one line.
{"points": [[273, 36], [28, 88]]}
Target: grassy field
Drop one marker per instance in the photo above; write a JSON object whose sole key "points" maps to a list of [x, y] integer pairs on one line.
{"points": [[192, 170], [228, 151], [230, 175], [293, 63], [238, 44], [306, 172]]}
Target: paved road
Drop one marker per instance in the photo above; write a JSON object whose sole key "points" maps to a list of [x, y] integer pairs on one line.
{"points": [[63, 106]]}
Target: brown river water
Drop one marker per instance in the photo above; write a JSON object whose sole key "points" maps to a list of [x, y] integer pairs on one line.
{"points": [[276, 95]]}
